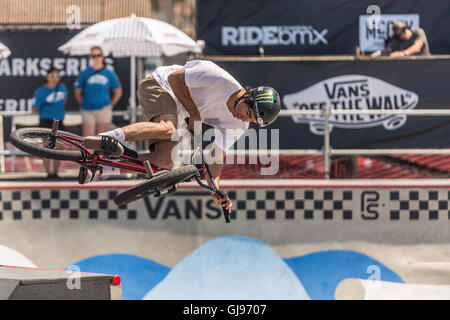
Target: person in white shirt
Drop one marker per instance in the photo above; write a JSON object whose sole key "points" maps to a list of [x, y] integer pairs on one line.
{"points": [[204, 92]]}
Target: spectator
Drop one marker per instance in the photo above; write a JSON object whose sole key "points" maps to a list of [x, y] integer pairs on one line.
{"points": [[49, 101], [92, 91], [405, 42]]}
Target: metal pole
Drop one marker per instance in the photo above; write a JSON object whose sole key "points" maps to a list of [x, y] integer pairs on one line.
{"points": [[132, 89], [326, 141], [2, 147]]}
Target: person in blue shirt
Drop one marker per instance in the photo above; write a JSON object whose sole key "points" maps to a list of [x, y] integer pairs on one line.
{"points": [[49, 102], [92, 91]]}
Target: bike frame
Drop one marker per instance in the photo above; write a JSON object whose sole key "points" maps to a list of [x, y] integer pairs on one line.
{"points": [[94, 160]]}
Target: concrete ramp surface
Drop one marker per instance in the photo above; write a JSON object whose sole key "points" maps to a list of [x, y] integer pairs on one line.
{"points": [[301, 238], [358, 289]]}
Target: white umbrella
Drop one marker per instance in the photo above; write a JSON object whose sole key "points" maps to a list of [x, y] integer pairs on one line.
{"points": [[132, 37], [4, 51]]}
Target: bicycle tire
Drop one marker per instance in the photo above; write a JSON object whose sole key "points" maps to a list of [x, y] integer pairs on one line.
{"points": [[159, 182], [18, 139]]}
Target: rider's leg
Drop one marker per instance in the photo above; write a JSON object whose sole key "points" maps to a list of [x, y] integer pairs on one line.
{"points": [[162, 153], [140, 131]]}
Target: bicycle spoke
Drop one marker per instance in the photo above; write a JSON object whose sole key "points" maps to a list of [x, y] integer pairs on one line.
{"points": [[43, 140]]}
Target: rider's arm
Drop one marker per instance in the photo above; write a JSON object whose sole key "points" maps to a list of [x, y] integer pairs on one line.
{"points": [[177, 83], [216, 166], [216, 169]]}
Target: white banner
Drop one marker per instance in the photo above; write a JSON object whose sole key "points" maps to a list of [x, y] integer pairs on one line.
{"points": [[375, 29]]}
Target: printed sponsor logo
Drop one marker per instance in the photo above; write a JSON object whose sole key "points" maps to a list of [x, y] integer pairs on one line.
{"points": [[352, 92], [161, 208], [37, 67], [54, 97], [273, 36], [372, 36], [97, 79]]}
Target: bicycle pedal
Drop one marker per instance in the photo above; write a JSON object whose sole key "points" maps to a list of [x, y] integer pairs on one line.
{"points": [[165, 192], [87, 175], [84, 175]]}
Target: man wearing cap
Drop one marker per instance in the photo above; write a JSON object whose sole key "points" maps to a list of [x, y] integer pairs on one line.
{"points": [[405, 42]]}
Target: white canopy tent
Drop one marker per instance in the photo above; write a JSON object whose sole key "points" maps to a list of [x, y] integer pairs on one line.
{"points": [[132, 37]]}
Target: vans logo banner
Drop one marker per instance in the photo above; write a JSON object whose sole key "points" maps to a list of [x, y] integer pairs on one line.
{"points": [[352, 92]]}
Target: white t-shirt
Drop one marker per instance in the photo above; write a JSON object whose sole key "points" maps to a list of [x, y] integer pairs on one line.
{"points": [[210, 88]]}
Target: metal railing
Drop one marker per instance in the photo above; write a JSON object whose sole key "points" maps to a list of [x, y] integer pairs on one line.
{"points": [[124, 113], [322, 115], [327, 151]]}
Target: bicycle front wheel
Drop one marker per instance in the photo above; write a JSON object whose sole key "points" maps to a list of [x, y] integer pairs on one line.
{"points": [[159, 182], [36, 141]]}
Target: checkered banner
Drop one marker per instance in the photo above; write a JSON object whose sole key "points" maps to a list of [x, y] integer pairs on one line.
{"points": [[249, 204]]}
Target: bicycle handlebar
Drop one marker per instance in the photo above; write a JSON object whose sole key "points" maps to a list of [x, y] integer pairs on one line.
{"points": [[226, 213], [221, 194]]}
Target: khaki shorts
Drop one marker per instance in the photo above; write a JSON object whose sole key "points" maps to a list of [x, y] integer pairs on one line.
{"points": [[103, 115], [154, 100]]}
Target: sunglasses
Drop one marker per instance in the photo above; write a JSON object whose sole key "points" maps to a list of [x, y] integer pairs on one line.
{"points": [[249, 102], [95, 55]]}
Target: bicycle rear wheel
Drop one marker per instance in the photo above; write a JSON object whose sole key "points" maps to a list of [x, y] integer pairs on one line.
{"points": [[159, 182], [36, 141]]}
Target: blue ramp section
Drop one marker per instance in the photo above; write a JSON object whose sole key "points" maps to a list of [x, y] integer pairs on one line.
{"points": [[232, 267], [321, 272], [139, 275]]}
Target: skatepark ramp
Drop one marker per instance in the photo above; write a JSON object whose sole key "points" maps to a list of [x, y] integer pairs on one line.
{"points": [[20, 283], [288, 239]]}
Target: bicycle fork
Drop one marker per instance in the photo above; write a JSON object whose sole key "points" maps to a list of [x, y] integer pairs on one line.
{"points": [[214, 187]]}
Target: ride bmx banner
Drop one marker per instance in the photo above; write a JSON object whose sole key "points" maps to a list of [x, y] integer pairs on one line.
{"points": [[289, 27], [354, 85]]}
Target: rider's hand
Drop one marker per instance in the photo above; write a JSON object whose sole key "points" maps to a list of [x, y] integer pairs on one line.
{"points": [[192, 119], [222, 202]]}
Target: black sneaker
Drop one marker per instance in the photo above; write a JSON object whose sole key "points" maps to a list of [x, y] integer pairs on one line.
{"points": [[105, 145]]}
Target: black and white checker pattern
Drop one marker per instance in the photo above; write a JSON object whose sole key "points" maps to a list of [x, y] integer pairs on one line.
{"points": [[65, 203], [419, 204], [307, 204], [248, 204]]}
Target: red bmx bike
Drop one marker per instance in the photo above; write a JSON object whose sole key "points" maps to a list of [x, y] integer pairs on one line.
{"points": [[66, 146]]}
